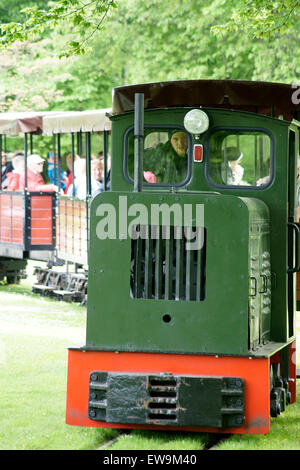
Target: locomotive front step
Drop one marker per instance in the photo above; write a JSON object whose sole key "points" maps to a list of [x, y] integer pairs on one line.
{"points": [[166, 399]]}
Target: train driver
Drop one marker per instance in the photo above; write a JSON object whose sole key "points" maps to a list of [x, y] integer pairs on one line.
{"points": [[167, 162]]}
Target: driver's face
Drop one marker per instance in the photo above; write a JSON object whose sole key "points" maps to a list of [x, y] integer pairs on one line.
{"points": [[179, 143]]}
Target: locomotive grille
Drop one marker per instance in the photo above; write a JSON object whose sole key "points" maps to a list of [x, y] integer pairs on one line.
{"points": [[162, 266]]}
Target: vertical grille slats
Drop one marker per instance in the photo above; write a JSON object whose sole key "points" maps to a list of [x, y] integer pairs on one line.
{"points": [[179, 283], [158, 265], [189, 275], [148, 267], [163, 268], [169, 268], [200, 270], [138, 268]]}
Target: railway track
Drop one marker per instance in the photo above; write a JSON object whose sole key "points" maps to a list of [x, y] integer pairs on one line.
{"points": [[212, 440]]}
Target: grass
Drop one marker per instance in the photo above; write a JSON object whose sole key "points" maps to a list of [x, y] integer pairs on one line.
{"points": [[35, 333], [284, 435], [34, 336], [158, 440]]}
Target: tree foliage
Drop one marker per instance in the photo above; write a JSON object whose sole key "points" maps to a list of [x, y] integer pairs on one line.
{"points": [[140, 41], [10, 10], [85, 17], [263, 18]]}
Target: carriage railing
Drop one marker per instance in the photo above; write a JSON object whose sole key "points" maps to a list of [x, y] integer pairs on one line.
{"points": [[27, 221], [40, 213], [72, 230], [11, 219]]}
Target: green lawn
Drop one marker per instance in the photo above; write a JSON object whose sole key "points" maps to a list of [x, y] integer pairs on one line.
{"points": [[284, 435], [34, 336]]}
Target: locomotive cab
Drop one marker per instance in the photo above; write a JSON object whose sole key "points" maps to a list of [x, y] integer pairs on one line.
{"points": [[192, 262]]}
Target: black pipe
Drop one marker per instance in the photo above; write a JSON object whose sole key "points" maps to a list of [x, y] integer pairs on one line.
{"points": [[25, 159], [105, 154], [73, 157], [79, 143], [54, 156], [0, 162], [59, 163], [88, 163], [138, 141]]}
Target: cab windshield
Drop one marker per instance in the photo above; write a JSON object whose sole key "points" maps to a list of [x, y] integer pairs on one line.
{"points": [[240, 158], [165, 159]]}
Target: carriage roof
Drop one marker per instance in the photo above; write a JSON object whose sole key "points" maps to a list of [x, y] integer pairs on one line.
{"points": [[22, 122], [85, 121], [272, 99]]}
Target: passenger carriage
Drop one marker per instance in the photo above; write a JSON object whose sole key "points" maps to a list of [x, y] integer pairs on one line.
{"points": [[82, 133], [45, 226], [27, 219]]}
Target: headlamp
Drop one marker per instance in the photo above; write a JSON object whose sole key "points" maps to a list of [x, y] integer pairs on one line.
{"points": [[196, 121]]}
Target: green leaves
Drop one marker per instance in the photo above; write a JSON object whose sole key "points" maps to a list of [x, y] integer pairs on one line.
{"points": [[85, 18], [262, 18], [67, 65]]}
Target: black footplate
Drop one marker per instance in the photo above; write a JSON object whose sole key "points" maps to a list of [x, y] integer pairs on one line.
{"points": [[166, 399]]}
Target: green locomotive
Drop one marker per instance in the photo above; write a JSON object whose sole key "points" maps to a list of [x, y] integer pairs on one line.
{"points": [[192, 262]]}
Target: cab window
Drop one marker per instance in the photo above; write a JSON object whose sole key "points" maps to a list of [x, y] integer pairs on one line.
{"points": [[165, 158], [240, 158]]}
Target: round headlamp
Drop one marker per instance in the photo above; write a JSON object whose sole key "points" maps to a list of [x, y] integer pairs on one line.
{"points": [[196, 121]]}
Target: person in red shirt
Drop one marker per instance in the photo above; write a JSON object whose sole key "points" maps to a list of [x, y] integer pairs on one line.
{"points": [[35, 181], [14, 176]]}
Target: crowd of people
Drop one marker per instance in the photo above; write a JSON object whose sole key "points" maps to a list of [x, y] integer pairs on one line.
{"points": [[13, 174]]}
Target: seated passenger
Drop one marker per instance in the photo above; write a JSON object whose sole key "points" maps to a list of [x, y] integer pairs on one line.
{"points": [[6, 168], [97, 177], [150, 177], [79, 180], [70, 170], [53, 171], [167, 162], [14, 176], [234, 172], [18, 152], [35, 181]]}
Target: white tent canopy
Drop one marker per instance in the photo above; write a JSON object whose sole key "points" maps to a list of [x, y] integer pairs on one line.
{"points": [[15, 123], [85, 121]]}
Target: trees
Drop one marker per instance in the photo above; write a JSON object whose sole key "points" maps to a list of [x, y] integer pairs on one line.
{"points": [[84, 17], [140, 41], [263, 18]]}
